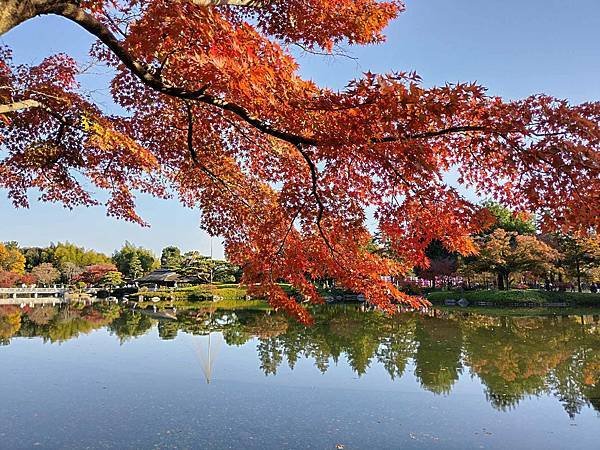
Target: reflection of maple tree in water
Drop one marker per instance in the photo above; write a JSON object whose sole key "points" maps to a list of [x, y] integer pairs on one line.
{"points": [[56, 323], [285, 170], [513, 357], [437, 358], [10, 322]]}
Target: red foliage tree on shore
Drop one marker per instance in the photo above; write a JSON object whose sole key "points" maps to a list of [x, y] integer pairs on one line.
{"points": [[282, 169], [94, 274], [8, 279]]}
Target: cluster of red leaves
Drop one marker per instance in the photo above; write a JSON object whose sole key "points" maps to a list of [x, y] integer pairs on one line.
{"points": [[11, 279], [93, 274], [285, 171], [66, 139], [8, 279]]}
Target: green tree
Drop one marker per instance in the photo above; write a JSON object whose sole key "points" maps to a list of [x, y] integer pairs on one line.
{"points": [[112, 278], [209, 270], [63, 253], [134, 261], [34, 256], [135, 267], [579, 255], [225, 272], [171, 258], [507, 220], [194, 264]]}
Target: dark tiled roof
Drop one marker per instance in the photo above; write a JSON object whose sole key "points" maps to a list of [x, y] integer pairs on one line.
{"points": [[159, 275]]}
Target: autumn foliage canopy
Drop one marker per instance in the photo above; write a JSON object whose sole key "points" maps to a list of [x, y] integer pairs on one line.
{"points": [[284, 170]]}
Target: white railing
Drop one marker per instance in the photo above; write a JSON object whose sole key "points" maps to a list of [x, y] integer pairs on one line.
{"points": [[33, 292]]}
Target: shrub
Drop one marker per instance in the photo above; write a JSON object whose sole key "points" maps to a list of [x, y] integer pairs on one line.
{"points": [[517, 297]]}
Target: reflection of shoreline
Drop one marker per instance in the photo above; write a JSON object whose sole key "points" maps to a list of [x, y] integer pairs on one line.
{"points": [[85, 299], [33, 301], [514, 357]]}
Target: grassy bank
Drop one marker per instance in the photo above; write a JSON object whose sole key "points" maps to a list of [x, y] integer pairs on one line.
{"points": [[517, 297], [220, 296], [230, 305], [540, 311], [194, 293]]}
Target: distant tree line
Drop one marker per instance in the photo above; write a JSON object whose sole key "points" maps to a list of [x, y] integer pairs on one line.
{"points": [[512, 253], [70, 264]]}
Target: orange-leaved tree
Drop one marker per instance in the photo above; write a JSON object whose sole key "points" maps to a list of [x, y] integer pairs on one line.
{"points": [[283, 169]]}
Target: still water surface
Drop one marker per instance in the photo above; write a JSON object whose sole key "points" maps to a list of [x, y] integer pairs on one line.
{"points": [[103, 376]]}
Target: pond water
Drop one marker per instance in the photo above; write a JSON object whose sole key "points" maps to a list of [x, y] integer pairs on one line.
{"points": [[104, 376]]}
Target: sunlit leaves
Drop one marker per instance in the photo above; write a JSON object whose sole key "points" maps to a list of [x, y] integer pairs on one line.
{"points": [[286, 172]]}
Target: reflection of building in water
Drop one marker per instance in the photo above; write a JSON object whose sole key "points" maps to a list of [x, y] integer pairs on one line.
{"points": [[208, 353]]}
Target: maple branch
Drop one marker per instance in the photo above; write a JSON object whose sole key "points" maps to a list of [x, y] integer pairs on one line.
{"points": [[151, 79], [31, 103], [192, 150], [20, 105], [196, 160], [289, 230], [314, 175], [432, 134], [317, 53], [285, 237]]}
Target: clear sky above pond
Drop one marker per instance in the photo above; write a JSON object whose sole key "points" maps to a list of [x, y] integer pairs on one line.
{"points": [[514, 47]]}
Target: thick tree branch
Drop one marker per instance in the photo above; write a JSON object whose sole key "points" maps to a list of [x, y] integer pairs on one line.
{"points": [[31, 103], [151, 79], [18, 106]]}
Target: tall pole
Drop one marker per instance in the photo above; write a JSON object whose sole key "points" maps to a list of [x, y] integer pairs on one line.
{"points": [[211, 261], [209, 361]]}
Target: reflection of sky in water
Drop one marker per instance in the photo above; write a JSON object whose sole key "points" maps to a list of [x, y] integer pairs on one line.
{"points": [[95, 392]]}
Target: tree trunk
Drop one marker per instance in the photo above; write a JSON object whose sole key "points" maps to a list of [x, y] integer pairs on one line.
{"points": [[578, 270], [500, 281]]}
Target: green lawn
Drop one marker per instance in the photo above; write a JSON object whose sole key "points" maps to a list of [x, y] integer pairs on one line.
{"points": [[220, 296], [195, 293]]}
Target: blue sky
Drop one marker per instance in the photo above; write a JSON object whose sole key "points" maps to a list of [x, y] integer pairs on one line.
{"points": [[513, 47]]}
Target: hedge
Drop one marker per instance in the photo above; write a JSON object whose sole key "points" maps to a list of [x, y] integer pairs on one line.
{"points": [[517, 297]]}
